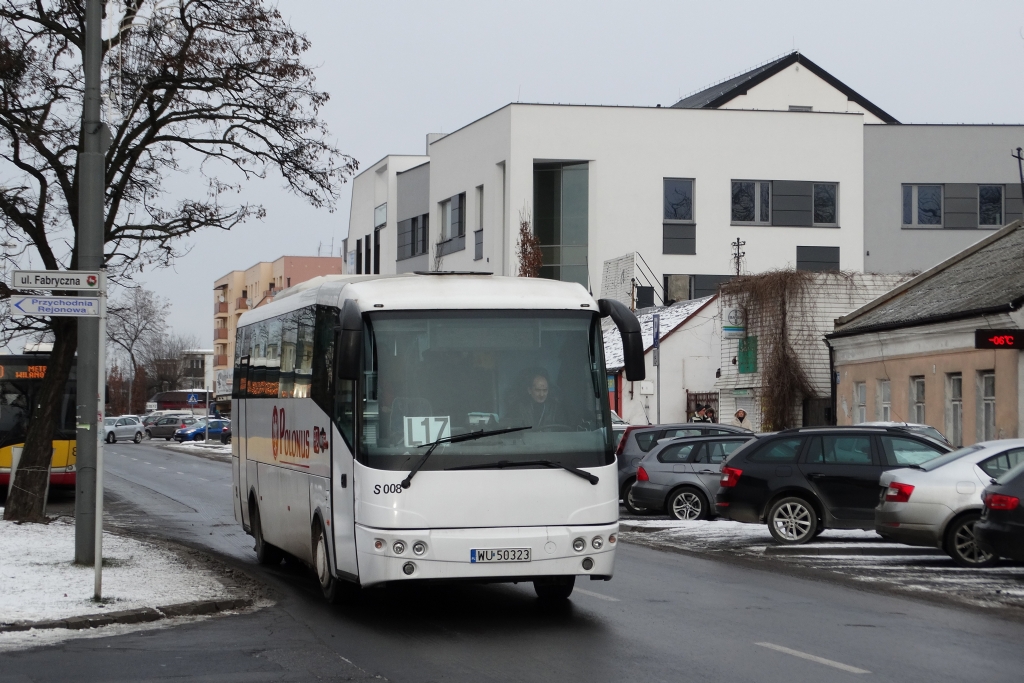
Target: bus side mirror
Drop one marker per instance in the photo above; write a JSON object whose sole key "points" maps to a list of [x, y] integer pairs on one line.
{"points": [[632, 339], [349, 342]]}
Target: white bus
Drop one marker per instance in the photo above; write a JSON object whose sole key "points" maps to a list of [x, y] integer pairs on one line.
{"points": [[430, 427]]}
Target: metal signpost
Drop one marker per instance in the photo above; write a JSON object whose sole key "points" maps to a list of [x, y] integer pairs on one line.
{"points": [[77, 307], [657, 359]]}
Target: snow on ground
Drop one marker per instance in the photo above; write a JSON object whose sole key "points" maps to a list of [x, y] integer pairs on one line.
{"points": [[935, 575], [40, 580], [194, 446]]}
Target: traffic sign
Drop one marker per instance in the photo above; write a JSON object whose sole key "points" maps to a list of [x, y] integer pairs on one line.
{"points": [[58, 279], [73, 306], [192, 400]]}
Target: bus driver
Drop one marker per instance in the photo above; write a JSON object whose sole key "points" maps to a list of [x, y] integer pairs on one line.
{"points": [[541, 409]]}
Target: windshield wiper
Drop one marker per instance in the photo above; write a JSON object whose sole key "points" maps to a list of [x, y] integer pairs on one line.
{"points": [[501, 464], [454, 439]]}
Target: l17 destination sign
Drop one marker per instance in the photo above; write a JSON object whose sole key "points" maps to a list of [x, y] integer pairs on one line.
{"points": [[57, 279]]}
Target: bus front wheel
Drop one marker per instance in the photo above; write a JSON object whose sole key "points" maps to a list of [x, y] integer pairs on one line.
{"points": [[265, 553], [330, 586], [554, 587]]}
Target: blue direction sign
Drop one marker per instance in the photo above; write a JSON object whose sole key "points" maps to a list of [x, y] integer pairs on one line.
{"points": [[192, 399], [75, 306]]}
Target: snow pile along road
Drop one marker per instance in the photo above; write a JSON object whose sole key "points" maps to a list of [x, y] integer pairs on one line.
{"points": [[41, 582]]}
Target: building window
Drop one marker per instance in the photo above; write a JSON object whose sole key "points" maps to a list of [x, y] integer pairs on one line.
{"points": [[922, 205], [359, 257], [955, 409], [678, 199], [746, 356], [817, 259], [368, 265], [380, 215], [453, 218], [678, 232], [376, 251], [478, 245], [826, 212], [561, 217], [884, 410], [752, 202], [412, 237], [990, 205], [860, 402], [917, 400], [987, 406]]}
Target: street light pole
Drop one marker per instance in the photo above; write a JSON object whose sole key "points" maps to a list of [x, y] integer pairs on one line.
{"points": [[91, 184]]}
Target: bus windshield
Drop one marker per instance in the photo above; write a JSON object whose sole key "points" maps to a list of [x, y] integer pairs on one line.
{"points": [[429, 375]]}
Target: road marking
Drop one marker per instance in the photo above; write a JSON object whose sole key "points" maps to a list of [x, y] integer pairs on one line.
{"points": [[177, 472], [201, 479], [814, 658], [162, 468], [597, 595], [135, 459]]}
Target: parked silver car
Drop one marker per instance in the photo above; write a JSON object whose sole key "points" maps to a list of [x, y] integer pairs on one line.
{"points": [[681, 476], [913, 427], [937, 503], [124, 427], [638, 440]]}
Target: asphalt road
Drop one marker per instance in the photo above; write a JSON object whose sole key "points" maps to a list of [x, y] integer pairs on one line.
{"points": [[665, 617]]}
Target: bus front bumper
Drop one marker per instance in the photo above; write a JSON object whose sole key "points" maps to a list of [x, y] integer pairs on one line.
{"points": [[448, 554]]}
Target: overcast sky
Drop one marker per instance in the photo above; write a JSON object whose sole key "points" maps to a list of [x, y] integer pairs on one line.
{"points": [[399, 70]]}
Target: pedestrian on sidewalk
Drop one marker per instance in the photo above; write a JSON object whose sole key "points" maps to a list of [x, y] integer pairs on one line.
{"points": [[740, 420]]}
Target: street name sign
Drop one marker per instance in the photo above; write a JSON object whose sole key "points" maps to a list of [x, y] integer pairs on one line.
{"points": [[88, 280], [74, 306]]}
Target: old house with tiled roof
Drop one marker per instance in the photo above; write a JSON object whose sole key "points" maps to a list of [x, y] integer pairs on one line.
{"points": [[946, 348]]}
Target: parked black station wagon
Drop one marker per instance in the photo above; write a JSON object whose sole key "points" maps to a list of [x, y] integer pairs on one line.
{"points": [[803, 481]]}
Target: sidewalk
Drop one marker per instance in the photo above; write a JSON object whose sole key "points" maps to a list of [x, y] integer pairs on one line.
{"points": [[44, 591]]}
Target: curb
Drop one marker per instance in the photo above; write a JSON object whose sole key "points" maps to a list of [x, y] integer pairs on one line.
{"points": [[877, 551], [642, 529], [132, 616]]}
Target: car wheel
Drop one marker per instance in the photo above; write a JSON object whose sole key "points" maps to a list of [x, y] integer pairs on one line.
{"points": [[265, 553], [111, 438], [792, 521], [628, 502], [149, 434], [687, 504], [554, 587], [962, 544], [138, 437]]}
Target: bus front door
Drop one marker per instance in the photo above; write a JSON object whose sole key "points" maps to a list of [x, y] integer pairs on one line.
{"points": [[241, 443], [343, 506]]}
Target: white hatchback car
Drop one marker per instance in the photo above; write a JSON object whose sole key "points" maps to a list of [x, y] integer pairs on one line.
{"points": [[124, 427], [938, 502]]}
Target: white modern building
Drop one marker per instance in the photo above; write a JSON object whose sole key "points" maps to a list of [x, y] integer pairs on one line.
{"points": [[804, 171]]}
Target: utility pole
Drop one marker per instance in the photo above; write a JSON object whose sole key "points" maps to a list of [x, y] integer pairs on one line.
{"points": [[1020, 169], [657, 359], [737, 255], [91, 171]]}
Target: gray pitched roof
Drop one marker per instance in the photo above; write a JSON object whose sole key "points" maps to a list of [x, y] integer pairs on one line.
{"points": [[721, 93], [987, 277]]}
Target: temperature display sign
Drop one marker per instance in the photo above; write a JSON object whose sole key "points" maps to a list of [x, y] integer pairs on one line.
{"points": [[999, 339]]}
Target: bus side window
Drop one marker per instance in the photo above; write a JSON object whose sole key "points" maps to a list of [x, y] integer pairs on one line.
{"points": [[345, 411]]}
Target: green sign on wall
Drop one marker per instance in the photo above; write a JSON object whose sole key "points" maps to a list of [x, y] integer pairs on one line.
{"points": [[746, 358]]}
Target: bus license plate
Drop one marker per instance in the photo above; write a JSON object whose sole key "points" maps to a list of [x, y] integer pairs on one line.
{"points": [[499, 555]]}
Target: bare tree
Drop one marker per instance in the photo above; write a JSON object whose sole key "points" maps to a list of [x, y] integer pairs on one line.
{"points": [[136, 319], [160, 360], [530, 256], [216, 83]]}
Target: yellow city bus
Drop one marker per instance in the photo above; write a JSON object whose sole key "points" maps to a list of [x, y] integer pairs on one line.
{"points": [[20, 380]]}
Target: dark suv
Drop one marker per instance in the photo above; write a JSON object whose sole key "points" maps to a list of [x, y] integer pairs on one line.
{"points": [[803, 481], [639, 440]]}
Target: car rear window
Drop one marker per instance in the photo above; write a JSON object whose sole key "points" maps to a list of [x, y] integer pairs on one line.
{"points": [[902, 451], [998, 465], [839, 450], [645, 440], [716, 452], [780, 451], [677, 452]]}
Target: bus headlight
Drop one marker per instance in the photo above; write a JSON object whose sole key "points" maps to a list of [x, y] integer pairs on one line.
{"points": [[419, 547], [378, 544], [611, 539], [398, 547], [579, 545], [597, 543]]}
